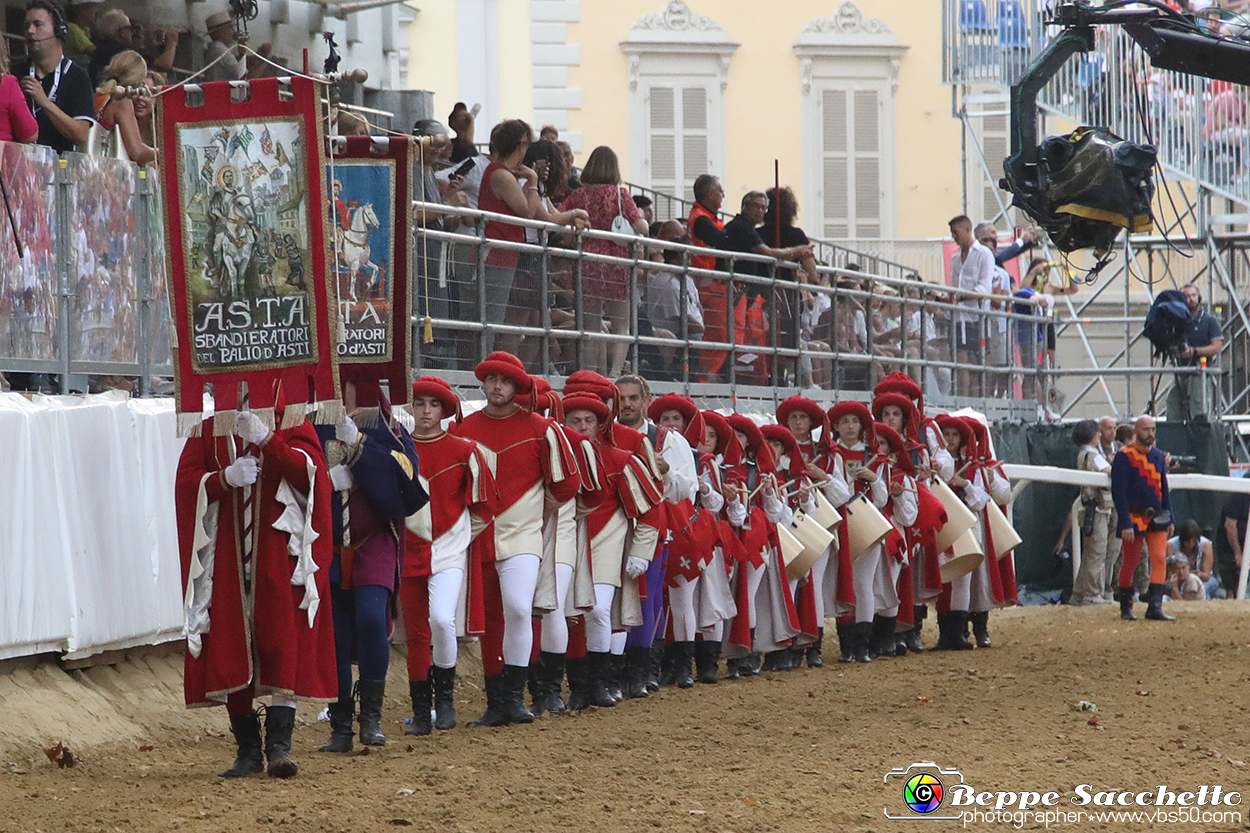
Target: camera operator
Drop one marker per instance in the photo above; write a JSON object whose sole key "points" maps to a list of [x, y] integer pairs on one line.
{"points": [[1100, 541], [1203, 340]]}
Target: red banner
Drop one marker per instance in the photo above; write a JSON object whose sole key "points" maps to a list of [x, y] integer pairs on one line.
{"points": [[371, 259], [250, 293]]}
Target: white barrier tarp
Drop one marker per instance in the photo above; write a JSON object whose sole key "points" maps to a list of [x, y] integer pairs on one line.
{"points": [[88, 538]]}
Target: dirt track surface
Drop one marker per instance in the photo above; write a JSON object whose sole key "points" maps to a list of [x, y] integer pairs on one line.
{"points": [[799, 751]]}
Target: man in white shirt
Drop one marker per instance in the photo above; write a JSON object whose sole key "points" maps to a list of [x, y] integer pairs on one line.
{"points": [[972, 269]]}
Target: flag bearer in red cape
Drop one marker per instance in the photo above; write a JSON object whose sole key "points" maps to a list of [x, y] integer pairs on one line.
{"points": [[613, 513], [853, 454], [901, 508], [373, 471], [436, 563], [255, 539], [529, 457]]}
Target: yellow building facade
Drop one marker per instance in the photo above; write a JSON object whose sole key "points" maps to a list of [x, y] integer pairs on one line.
{"points": [[845, 95]]}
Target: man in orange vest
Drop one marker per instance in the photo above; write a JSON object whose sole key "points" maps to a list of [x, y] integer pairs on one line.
{"points": [[706, 230]]}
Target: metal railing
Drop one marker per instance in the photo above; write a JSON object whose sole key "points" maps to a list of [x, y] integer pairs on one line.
{"points": [[1200, 127], [89, 297], [545, 300]]}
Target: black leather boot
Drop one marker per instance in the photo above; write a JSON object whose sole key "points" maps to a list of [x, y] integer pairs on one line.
{"points": [[634, 675], [981, 628], [537, 684], [707, 661], [279, 722], [444, 697], [683, 652], [655, 664], [863, 641], [944, 633], [612, 671], [813, 652], [883, 644], [512, 694], [579, 683], [958, 624], [495, 714], [370, 717], [553, 677], [846, 643], [1124, 596], [1154, 604], [342, 713], [250, 759], [774, 661], [422, 695], [912, 637], [596, 673], [750, 666]]}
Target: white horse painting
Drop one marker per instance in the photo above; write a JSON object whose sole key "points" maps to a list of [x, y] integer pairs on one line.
{"points": [[355, 250]]}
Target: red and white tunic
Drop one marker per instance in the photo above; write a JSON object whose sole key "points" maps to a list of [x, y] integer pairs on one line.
{"points": [[529, 457], [454, 473]]}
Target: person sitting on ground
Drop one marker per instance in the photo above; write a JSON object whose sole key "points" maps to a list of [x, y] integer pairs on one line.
{"points": [[1182, 584], [1199, 554], [127, 69]]}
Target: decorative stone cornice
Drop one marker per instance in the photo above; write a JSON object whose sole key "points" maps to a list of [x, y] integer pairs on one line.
{"points": [[676, 23], [847, 20]]}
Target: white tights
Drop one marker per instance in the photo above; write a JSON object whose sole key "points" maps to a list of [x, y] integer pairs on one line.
{"points": [[817, 578], [681, 608], [863, 572], [599, 620], [281, 700], [961, 592], [518, 579], [618, 643], [555, 627], [755, 577], [444, 599]]}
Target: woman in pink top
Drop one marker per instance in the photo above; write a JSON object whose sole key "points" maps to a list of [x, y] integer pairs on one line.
{"points": [[509, 187], [605, 286], [17, 123]]}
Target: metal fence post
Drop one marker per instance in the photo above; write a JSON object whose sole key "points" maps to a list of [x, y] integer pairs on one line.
{"points": [[579, 307], [144, 256], [66, 288], [544, 305]]}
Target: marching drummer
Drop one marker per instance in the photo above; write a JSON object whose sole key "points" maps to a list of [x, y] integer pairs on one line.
{"points": [[954, 604], [894, 467], [803, 417], [853, 452], [795, 482]]}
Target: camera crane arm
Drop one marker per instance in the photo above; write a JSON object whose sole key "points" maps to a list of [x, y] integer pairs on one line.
{"points": [[1173, 41]]}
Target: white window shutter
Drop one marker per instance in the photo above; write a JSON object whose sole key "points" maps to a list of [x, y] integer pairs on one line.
{"points": [[867, 133], [995, 144], [835, 173], [662, 136], [694, 144]]}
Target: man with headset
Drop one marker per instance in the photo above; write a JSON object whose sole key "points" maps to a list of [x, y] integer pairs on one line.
{"points": [[58, 90]]}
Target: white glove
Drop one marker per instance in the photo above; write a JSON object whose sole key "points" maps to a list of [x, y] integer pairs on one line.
{"points": [[251, 429], [346, 431], [635, 566], [341, 478], [242, 472]]}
